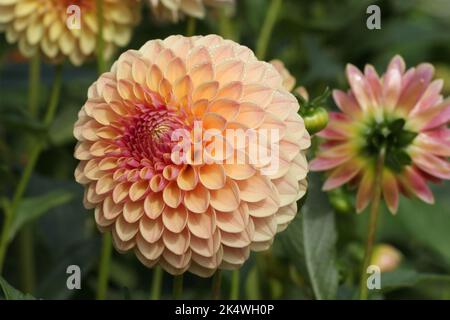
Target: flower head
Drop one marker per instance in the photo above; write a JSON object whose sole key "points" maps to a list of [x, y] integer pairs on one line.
{"points": [[64, 28], [161, 169], [174, 10], [400, 114]]}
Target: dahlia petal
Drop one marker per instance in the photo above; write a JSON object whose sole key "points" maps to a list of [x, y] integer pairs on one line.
{"points": [[265, 228], [132, 211], [431, 164], [151, 230], [227, 198], [232, 91], [175, 70], [138, 190], [430, 97], [120, 192], [392, 85], [175, 219], [257, 94], [433, 143], [172, 195], [238, 171], [207, 90], [373, 84], [390, 190], [250, 115], [416, 87], [235, 256], [187, 179], [197, 200], [264, 208], [357, 83], [198, 55], [228, 109], [212, 176], [229, 71], [202, 74], [150, 251], [414, 182], [202, 225], [232, 222], [342, 175], [254, 189], [105, 184], [178, 243], [365, 190], [125, 231], [153, 205]]}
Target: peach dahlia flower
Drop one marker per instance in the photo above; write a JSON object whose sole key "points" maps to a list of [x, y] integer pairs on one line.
{"points": [[43, 25], [174, 10], [401, 112], [192, 215]]}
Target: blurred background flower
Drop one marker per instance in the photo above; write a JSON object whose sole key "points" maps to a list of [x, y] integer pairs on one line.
{"points": [[56, 29], [401, 117]]}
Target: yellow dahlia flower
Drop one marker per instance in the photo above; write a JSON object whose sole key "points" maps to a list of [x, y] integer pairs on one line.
{"points": [[66, 28], [199, 207], [174, 10], [401, 114]]}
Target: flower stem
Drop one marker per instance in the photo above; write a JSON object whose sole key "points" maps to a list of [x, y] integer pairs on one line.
{"points": [[33, 84], [27, 266], [234, 294], [156, 283], [105, 261], [363, 289], [217, 281], [266, 30], [225, 26], [191, 26], [34, 153], [177, 286]]}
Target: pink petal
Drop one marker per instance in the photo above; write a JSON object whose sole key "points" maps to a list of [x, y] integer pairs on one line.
{"points": [[342, 175], [431, 164], [398, 63], [373, 84], [322, 164], [347, 103], [338, 127], [390, 191], [430, 142], [432, 117], [430, 97], [416, 87], [392, 84], [357, 83], [365, 190], [414, 183]]}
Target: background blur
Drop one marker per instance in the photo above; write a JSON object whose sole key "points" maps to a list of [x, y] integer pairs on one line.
{"points": [[319, 255]]}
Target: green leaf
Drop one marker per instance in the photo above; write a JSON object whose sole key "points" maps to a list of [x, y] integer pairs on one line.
{"points": [[311, 241], [32, 208], [11, 293]]}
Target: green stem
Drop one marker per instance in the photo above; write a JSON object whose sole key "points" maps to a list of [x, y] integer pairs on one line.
{"points": [[32, 159], [156, 283], [191, 26], [234, 294], [33, 84], [101, 63], [266, 31], [373, 219], [27, 266], [177, 286], [217, 281], [105, 262], [225, 27]]}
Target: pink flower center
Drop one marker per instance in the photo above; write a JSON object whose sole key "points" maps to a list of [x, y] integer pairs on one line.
{"points": [[147, 137]]}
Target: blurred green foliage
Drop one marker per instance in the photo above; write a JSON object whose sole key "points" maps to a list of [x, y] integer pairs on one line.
{"points": [[319, 255]]}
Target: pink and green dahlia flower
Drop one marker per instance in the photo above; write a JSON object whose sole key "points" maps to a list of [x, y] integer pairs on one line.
{"points": [[402, 115]]}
